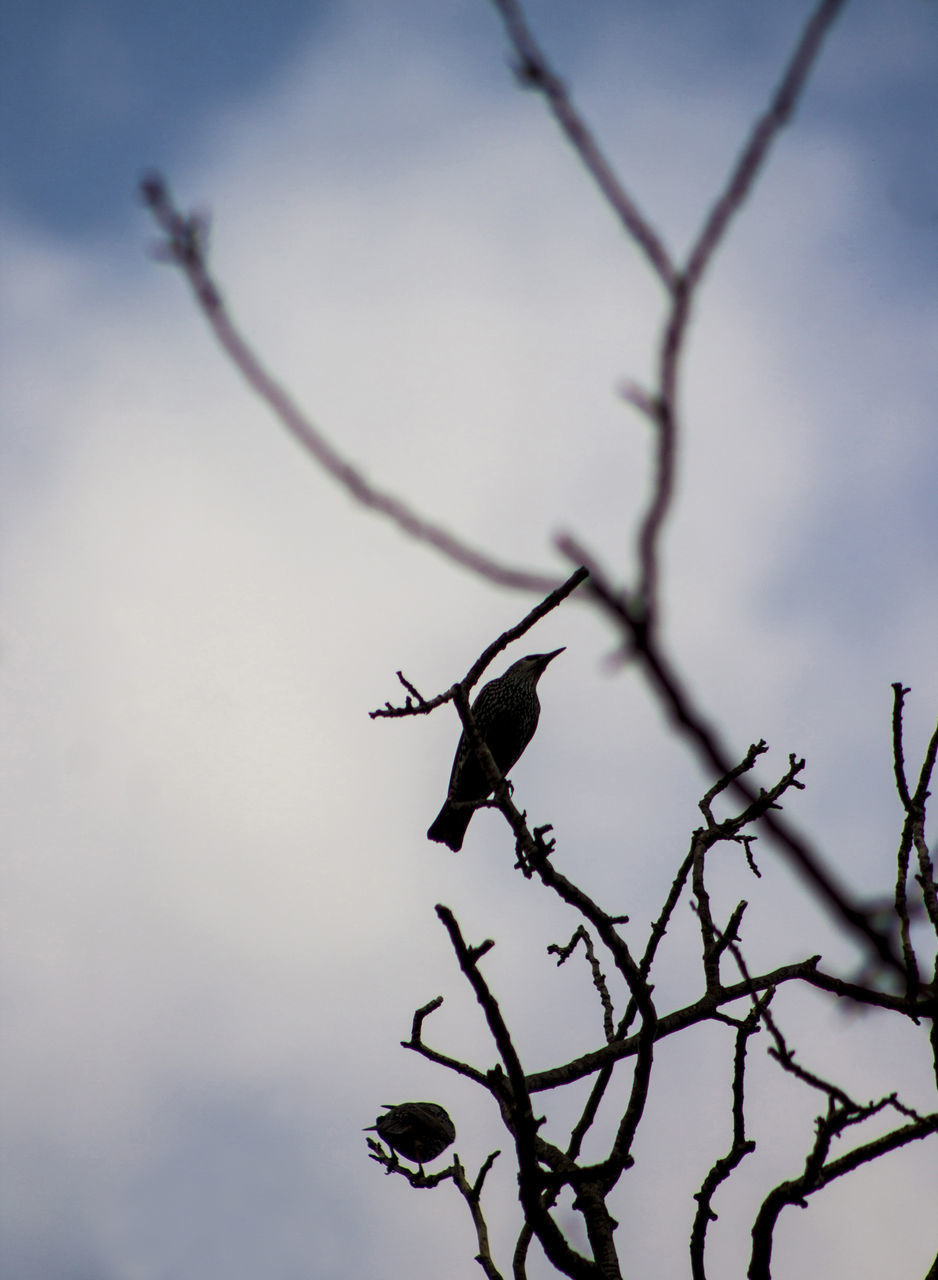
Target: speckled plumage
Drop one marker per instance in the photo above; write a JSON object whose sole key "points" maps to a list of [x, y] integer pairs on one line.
{"points": [[506, 713], [421, 1131]]}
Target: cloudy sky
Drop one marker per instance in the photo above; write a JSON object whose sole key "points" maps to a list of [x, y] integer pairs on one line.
{"points": [[217, 894]]}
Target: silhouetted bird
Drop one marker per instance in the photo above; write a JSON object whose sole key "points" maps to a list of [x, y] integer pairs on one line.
{"points": [[506, 714], [418, 1130]]}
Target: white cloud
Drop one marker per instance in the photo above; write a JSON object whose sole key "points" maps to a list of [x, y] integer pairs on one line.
{"points": [[218, 879]]}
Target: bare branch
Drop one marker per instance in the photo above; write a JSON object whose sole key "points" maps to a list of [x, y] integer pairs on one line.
{"points": [[913, 836], [416, 1043], [545, 1169], [420, 1014], [926, 876], [690, 721], [472, 1194], [662, 407], [525, 844], [391, 1163], [905, 845], [756, 750], [599, 978], [766, 129], [518, 1115], [423, 706], [702, 1009], [740, 1148], [818, 1173], [184, 246], [898, 757], [535, 72], [785, 1057]]}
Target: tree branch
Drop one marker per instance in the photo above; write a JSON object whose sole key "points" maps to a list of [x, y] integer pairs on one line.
{"points": [[185, 247]]}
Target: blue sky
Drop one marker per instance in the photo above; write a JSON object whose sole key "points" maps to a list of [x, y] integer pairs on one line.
{"points": [[218, 895], [88, 90]]}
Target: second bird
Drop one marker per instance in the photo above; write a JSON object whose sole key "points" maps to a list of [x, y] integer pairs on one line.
{"points": [[506, 714]]}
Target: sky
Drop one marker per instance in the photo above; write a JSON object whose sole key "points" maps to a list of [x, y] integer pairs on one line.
{"points": [[217, 893]]}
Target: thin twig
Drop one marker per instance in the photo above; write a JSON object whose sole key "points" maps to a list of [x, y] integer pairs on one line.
{"points": [[518, 1114], [424, 705], [817, 1173], [740, 1147], [581, 934], [906, 841], [416, 1042], [669, 1024], [472, 1194]]}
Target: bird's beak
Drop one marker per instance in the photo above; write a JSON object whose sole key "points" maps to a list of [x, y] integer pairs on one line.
{"points": [[549, 657]]}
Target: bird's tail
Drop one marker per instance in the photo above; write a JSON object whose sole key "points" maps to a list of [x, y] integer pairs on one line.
{"points": [[449, 826]]}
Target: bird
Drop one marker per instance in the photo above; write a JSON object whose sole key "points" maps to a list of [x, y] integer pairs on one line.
{"points": [[506, 713], [420, 1131]]}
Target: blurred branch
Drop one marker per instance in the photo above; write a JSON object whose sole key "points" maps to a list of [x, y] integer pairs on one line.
{"points": [[535, 72], [661, 407], [545, 1169], [185, 246], [754, 153], [638, 611], [689, 720]]}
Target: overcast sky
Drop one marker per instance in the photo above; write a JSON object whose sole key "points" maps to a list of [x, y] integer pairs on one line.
{"points": [[217, 893]]}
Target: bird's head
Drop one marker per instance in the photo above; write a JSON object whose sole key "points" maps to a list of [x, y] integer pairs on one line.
{"points": [[534, 665]]}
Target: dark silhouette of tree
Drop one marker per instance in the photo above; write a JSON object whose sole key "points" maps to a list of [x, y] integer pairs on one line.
{"points": [[898, 980]]}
